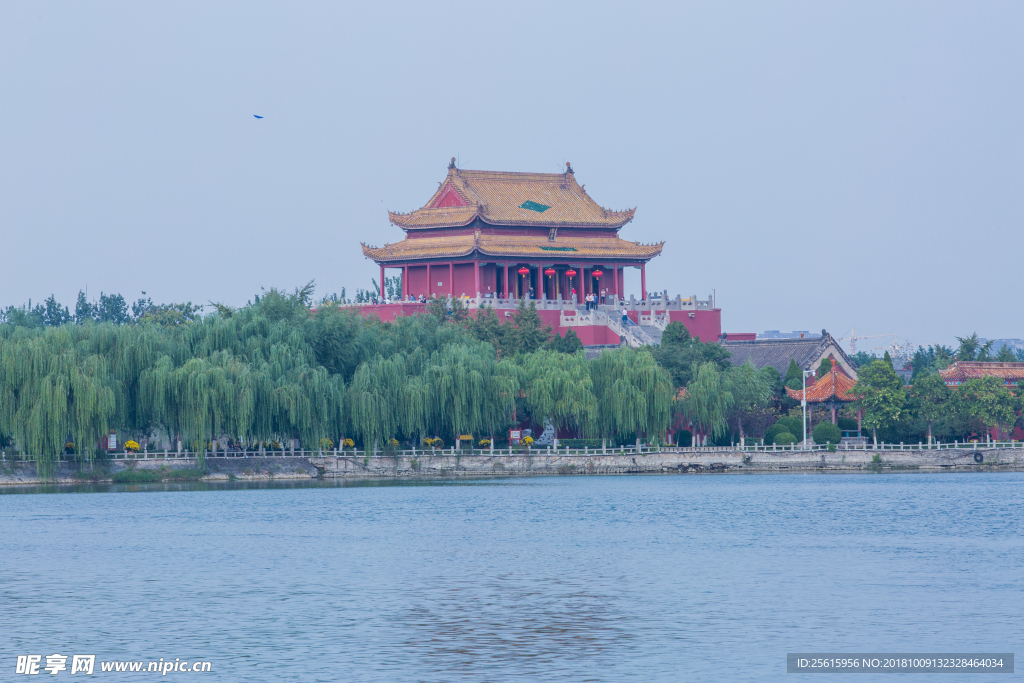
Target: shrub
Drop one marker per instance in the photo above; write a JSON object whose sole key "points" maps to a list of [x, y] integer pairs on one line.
{"points": [[527, 441], [433, 443], [785, 439], [847, 424], [326, 444], [580, 443], [484, 443], [132, 446], [793, 425], [826, 432], [348, 443]]}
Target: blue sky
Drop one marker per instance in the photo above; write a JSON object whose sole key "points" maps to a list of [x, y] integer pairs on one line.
{"points": [[815, 164]]}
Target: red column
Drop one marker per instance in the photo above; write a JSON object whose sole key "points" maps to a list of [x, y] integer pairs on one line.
{"points": [[615, 277], [476, 277], [643, 281], [451, 280], [405, 282], [382, 290]]}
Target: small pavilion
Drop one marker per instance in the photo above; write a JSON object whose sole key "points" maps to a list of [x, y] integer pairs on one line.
{"points": [[830, 391], [496, 234]]}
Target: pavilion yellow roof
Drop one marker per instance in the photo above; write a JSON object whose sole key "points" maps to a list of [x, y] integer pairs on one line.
{"points": [[505, 198], [835, 385], [514, 247]]}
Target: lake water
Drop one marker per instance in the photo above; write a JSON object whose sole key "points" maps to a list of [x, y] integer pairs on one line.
{"points": [[618, 578]]}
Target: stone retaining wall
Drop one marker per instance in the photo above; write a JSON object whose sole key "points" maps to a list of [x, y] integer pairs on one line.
{"points": [[442, 466], [683, 460]]}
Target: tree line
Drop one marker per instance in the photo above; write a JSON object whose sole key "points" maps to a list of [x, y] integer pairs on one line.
{"points": [[274, 370], [728, 404]]}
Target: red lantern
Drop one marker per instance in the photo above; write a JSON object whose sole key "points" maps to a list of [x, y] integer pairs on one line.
{"points": [[524, 271], [549, 272], [596, 273], [570, 272]]}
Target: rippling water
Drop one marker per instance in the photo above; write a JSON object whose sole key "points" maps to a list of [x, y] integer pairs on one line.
{"points": [[645, 578]]}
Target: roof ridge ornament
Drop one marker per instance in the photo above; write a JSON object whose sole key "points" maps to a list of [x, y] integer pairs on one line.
{"points": [[568, 169], [451, 164]]}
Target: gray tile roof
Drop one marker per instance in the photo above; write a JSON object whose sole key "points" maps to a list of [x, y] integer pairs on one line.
{"points": [[778, 352]]}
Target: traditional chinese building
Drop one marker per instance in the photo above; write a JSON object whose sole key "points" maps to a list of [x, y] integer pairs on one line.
{"points": [[501, 235], [1011, 374], [808, 353], [832, 390]]}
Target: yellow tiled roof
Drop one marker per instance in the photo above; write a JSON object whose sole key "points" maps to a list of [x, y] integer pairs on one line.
{"points": [[506, 246], [497, 197]]}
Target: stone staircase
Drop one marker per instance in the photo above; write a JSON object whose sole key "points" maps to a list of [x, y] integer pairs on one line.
{"points": [[631, 334]]}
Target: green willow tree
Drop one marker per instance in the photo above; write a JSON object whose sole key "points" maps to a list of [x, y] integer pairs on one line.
{"points": [[558, 387], [634, 394], [709, 401]]}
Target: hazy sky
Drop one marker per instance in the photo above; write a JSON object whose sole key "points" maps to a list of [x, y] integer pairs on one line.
{"points": [[818, 164]]}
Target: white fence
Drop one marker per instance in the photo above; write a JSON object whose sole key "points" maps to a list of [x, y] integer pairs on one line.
{"points": [[477, 452]]}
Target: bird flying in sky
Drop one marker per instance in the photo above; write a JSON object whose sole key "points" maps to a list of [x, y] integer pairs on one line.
{"points": [[257, 116]]}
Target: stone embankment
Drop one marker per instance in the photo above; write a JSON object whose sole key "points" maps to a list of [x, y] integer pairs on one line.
{"points": [[426, 465], [682, 460]]}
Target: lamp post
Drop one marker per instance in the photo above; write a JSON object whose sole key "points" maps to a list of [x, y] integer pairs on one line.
{"points": [[803, 406]]}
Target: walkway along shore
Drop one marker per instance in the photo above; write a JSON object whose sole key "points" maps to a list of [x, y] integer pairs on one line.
{"points": [[436, 465]]}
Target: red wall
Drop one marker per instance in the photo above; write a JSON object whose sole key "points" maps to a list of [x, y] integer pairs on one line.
{"points": [[465, 280], [417, 280], [705, 324], [489, 279], [589, 334], [439, 274]]}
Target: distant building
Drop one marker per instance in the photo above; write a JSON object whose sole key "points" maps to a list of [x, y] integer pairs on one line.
{"points": [[997, 344], [795, 334], [808, 353], [959, 372]]}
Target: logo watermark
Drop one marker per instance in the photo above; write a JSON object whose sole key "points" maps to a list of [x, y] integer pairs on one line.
{"points": [[32, 665]]}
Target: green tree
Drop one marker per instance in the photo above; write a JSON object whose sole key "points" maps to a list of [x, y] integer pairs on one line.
{"points": [[570, 344], [708, 401], [826, 432], [972, 348], [929, 399], [634, 394], [824, 368], [487, 328], [679, 354], [558, 387], [530, 332], [751, 392], [880, 395], [675, 334], [987, 403], [862, 358], [794, 376], [1006, 355]]}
